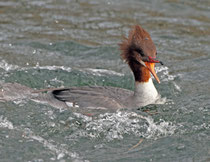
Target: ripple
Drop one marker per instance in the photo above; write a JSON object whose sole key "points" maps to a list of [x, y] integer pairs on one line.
{"points": [[101, 72], [60, 151], [9, 67], [54, 147]]}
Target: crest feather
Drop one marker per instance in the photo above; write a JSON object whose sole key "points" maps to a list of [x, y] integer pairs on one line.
{"points": [[137, 39]]}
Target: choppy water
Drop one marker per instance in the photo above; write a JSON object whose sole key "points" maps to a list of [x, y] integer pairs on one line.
{"points": [[73, 43]]}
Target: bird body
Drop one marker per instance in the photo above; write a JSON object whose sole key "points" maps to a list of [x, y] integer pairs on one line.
{"points": [[138, 51]]}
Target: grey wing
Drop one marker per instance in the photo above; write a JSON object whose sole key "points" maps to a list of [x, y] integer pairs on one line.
{"points": [[95, 97], [103, 97]]}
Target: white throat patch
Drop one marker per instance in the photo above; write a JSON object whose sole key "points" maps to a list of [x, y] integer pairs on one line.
{"points": [[145, 92]]}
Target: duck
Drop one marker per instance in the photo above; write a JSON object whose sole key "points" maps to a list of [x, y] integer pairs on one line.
{"points": [[139, 52]]}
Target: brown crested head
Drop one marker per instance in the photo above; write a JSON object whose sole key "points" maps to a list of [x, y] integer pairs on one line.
{"points": [[139, 51]]}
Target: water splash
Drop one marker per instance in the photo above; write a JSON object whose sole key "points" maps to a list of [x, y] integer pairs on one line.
{"points": [[101, 72], [67, 69], [112, 126], [165, 76], [7, 67], [4, 123], [98, 72]]}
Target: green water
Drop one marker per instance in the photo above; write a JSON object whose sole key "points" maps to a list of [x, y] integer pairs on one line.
{"points": [[74, 43]]}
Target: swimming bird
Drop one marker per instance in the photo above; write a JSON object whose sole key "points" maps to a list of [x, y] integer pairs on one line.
{"points": [[139, 52]]}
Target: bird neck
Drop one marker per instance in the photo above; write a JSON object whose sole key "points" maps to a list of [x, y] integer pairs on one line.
{"points": [[141, 73], [145, 93]]}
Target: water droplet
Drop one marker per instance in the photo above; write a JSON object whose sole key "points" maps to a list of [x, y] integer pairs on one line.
{"points": [[61, 155], [180, 147]]}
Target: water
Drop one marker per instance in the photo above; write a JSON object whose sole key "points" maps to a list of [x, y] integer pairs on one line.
{"points": [[74, 43]]}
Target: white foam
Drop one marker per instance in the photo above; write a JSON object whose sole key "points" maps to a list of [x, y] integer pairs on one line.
{"points": [[101, 72], [56, 80], [165, 77], [68, 69], [161, 129], [4, 123], [9, 67], [70, 104], [177, 86], [112, 126]]}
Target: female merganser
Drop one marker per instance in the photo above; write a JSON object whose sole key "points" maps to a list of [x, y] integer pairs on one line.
{"points": [[139, 51]]}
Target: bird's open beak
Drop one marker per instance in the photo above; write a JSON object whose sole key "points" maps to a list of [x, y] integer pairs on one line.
{"points": [[149, 63], [151, 68]]}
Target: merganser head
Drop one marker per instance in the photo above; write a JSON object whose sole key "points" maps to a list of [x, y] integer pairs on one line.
{"points": [[139, 51]]}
